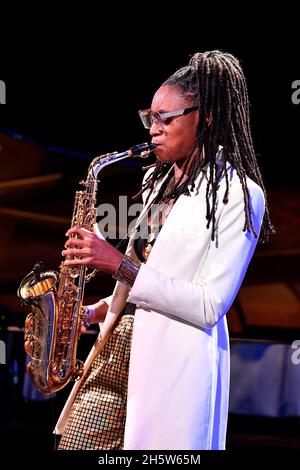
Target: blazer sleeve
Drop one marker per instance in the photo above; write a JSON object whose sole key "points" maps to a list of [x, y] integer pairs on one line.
{"points": [[108, 299], [205, 300]]}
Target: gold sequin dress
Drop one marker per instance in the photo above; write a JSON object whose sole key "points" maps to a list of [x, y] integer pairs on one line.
{"points": [[97, 418]]}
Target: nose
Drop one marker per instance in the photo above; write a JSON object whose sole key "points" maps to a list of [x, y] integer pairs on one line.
{"points": [[155, 129]]}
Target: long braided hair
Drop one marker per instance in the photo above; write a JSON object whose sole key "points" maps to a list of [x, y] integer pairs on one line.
{"points": [[215, 82]]}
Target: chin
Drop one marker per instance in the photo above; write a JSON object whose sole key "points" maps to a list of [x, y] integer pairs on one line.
{"points": [[164, 160], [162, 156]]}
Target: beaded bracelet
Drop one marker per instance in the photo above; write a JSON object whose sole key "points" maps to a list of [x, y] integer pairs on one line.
{"points": [[85, 316], [127, 271]]}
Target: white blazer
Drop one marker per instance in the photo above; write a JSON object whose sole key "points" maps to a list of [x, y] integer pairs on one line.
{"points": [[178, 386]]}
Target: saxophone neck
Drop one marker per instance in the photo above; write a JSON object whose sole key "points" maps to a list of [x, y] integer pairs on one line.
{"points": [[140, 150]]}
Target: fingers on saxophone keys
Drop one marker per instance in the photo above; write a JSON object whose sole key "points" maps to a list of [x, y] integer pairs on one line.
{"points": [[73, 242], [72, 252], [80, 230], [85, 261], [73, 262]]}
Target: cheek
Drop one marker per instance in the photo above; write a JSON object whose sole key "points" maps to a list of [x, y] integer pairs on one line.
{"points": [[177, 144], [184, 142]]}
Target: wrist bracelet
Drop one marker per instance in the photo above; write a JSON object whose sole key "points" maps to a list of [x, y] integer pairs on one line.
{"points": [[85, 316], [127, 271]]}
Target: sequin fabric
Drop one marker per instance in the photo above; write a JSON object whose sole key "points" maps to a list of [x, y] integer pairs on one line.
{"points": [[97, 418]]}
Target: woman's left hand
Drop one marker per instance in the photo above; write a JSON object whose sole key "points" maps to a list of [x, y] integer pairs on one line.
{"points": [[91, 250]]}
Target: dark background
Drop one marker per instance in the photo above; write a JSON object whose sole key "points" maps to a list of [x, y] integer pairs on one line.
{"points": [[83, 91]]}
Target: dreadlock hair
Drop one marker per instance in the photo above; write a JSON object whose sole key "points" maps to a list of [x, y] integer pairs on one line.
{"points": [[215, 82]]}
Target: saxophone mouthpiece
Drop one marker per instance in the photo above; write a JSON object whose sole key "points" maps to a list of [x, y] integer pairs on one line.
{"points": [[142, 150]]}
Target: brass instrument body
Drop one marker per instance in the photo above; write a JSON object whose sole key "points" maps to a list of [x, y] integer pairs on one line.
{"points": [[52, 329]]}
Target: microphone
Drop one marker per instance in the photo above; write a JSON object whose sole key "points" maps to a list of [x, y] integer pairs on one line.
{"points": [[36, 270]]}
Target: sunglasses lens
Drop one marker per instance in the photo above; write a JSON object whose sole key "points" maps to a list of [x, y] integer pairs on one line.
{"points": [[146, 118]]}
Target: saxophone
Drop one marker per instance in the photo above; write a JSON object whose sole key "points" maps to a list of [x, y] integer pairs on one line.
{"points": [[52, 329]]}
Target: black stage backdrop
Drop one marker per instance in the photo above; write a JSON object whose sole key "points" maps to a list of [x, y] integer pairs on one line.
{"points": [[81, 90]]}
